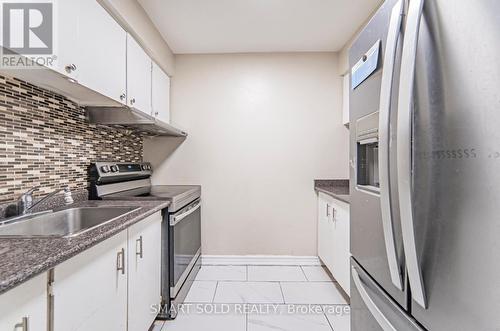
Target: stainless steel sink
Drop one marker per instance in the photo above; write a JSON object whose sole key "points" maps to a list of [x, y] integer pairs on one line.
{"points": [[64, 223]]}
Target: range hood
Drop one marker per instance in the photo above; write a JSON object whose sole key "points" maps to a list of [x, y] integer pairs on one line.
{"points": [[132, 118]]}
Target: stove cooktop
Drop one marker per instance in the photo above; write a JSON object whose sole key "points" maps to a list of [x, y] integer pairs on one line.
{"points": [[178, 195]]}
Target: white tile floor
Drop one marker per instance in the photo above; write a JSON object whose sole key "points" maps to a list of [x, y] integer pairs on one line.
{"points": [[262, 298]]}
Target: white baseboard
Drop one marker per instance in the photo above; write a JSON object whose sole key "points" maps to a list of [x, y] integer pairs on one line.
{"points": [[260, 260]]}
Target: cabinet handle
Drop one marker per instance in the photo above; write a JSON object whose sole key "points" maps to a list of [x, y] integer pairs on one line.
{"points": [[334, 214], [70, 67], [156, 113], [23, 325], [132, 101], [122, 97], [138, 252], [120, 261], [327, 210]]}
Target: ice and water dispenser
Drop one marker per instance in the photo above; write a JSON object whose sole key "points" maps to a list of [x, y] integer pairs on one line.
{"points": [[367, 138]]}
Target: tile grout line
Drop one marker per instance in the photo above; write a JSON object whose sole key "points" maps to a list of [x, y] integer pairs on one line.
{"points": [[327, 320], [282, 294], [163, 326], [301, 268], [246, 321], [215, 292]]}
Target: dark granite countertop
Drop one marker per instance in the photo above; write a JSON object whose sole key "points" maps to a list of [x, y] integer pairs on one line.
{"points": [[337, 188], [24, 258]]}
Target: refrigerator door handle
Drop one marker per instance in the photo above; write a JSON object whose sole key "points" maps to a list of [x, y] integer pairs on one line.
{"points": [[384, 138], [384, 323], [404, 150]]}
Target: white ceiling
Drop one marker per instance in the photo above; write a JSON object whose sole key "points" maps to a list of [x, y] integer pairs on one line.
{"points": [[233, 26]]}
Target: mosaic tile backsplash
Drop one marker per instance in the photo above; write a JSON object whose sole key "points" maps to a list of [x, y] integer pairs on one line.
{"points": [[46, 141]]}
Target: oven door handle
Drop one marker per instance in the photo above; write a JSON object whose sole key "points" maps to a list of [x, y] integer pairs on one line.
{"points": [[174, 220]]}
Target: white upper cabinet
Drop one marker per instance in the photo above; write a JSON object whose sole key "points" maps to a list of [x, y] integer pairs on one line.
{"points": [[105, 64], [138, 77], [346, 87], [101, 62], [67, 53], [25, 307], [160, 94]]}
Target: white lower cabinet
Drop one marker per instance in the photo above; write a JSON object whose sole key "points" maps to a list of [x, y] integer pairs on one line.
{"points": [[25, 307], [90, 290], [334, 238], [112, 285], [325, 231], [144, 271]]}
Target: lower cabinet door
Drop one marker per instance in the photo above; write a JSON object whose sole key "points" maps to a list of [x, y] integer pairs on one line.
{"points": [[341, 239], [334, 238], [144, 260], [325, 231], [25, 307], [90, 289]]}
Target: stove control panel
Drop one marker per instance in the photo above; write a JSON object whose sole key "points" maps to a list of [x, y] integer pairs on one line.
{"points": [[106, 171]]}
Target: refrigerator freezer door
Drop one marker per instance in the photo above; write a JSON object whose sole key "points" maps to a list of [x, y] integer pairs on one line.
{"points": [[372, 309], [456, 164], [368, 234]]}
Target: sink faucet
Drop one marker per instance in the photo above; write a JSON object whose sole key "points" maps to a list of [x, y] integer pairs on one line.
{"points": [[25, 203]]}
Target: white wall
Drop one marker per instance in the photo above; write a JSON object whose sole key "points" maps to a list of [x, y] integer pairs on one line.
{"points": [[261, 128]]}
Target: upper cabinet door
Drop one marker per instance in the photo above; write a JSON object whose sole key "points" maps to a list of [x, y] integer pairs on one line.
{"points": [[102, 51], [161, 94], [345, 98], [138, 77], [67, 53]]}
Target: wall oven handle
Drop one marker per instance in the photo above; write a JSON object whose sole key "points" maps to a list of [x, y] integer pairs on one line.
{"points": [[384, 138], [372, 307], [178, 218], [404, 150]]}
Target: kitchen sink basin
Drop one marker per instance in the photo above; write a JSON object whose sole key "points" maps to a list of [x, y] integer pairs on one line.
{"points": [[63, 223]]}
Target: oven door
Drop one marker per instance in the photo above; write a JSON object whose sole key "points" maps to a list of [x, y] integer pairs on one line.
{"points": [[184, 244]]}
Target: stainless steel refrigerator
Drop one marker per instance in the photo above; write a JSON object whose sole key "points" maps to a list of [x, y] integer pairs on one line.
{"points": [[425, 167]]}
